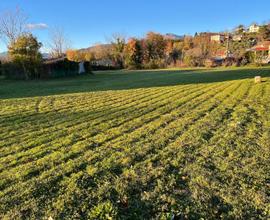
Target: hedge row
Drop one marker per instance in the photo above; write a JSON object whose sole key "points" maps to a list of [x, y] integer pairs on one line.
{"points": [[46, 70]]}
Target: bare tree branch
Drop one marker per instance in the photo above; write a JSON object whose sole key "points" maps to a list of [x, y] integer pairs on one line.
{"points": [[59, 42], [12, 25]]}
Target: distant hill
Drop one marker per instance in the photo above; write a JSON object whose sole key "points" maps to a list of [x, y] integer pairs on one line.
{"points": [[3, 54], [104, 47], [44, 55], [96, 47], [168, 36], [171, 36]]}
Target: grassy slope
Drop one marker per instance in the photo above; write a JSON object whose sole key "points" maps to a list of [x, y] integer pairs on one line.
{"points": [[193, 143]]}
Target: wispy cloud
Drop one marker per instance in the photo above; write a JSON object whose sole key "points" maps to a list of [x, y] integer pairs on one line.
{"points": [[38, 26]]}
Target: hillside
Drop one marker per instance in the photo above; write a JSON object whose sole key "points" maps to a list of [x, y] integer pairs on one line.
{"points": [[96, 48]]}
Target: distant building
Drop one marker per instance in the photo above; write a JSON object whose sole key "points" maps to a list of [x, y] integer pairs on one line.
{"points": [[104, 62], [220, 38], [254, 28], [222, 54], [262, 46], [262, 52], [237, 37], [53, 60], [46, 56]]}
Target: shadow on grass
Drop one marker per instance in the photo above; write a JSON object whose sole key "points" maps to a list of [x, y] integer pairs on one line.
{"points": [[119, 80]]}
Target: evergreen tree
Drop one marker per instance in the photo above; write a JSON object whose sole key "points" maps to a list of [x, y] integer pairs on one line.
{"points": [[24, 51]]}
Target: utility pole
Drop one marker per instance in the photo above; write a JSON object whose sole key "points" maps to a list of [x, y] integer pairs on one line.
{"points": [[227, 46]]}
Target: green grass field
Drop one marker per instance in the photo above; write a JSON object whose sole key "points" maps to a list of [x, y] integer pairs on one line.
{"points": [[165, 144]]}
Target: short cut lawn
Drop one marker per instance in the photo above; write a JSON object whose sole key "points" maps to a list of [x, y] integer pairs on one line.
{"points": [[156, 144]]}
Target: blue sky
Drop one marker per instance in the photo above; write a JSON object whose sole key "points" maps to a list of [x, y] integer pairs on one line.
{"points": [[87, 22]]}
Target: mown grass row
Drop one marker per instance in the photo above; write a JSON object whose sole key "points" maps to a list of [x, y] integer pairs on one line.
{"points": [[73, 122], [157, 199], [109, 166], [109, 100], [77, 143], [108, 121], [194, 151], [214, 91]]}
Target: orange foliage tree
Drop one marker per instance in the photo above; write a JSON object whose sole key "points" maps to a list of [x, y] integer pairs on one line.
{"points": [[133, 53]]}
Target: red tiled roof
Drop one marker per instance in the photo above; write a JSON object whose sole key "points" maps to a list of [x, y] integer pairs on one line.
{"points": [[260, 48], [220, 53], [263, 46]]}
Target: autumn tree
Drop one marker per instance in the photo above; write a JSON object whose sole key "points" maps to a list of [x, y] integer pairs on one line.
{"points": [[173, 51], [264, 33], [154, 50], [133, 53], [169, 47], [118, 42], [79, 55], [194, 57], [202, 42], [89, 56], [74, 55], [71, 55], [101, 51], [188, 43]]}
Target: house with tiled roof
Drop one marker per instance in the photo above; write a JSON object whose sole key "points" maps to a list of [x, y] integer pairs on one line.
{"points": [[219, 38], [254, 28], [262, 52]]}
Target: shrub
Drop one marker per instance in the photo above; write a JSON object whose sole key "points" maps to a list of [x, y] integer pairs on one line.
{"points": [[210, 63], [193, 61], [133, 54], [50, 69], [12, 70], [155, 64], [103, 67], [229, 62]]}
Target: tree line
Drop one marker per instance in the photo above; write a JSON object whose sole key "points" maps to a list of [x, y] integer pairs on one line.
{"points": [[24, 58], [154, 50]]}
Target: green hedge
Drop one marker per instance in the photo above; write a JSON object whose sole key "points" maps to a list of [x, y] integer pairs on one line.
{"points": [[49, 69]]}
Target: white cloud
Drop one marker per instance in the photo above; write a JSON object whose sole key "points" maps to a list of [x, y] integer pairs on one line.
{"points": [[38, 26]]}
